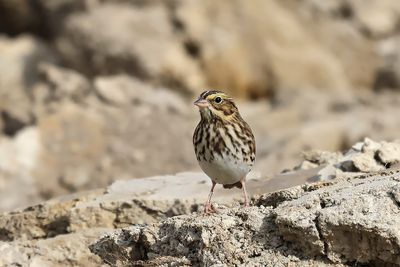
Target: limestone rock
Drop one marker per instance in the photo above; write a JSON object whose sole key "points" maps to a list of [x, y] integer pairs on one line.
{"points": [[63, 250], [388, 75], [125, 202], [234, 237], [354, 220], [18, 158], [63, 83], [124, 90], [73, 146], [363, 157], [143, 45], [332, 224], [43, 18], [253, 58], [376, 18], [389, 153], [19, 62]]}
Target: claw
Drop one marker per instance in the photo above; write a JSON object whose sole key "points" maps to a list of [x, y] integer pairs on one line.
{"points": [[209, 209]]}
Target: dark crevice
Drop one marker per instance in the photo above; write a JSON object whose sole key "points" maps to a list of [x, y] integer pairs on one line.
{"points": [[346, 11], [11, 125], [67, 186], [177, 24], [321, 237], [378, 159], [57, 227], [385, 79], [6, 235], [34, 17], [147, 209], [322, 203], [192, 48], [394, 199]]}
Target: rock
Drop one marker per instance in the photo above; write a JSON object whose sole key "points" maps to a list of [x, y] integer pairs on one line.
{"points": [[364, 162], [244, 238], [334, 217], [328, 172], [65, 250], [42, 18], [125, 202], [253, 59], [124, 90], [176, 48], [389, 153], [304, 225], [331, 224], [63, 83], [363, 157], [82, 135], [376, 18], [388, 74], [144, 45], [18, 158], [19, 70], [73, 147], [58, 231]]}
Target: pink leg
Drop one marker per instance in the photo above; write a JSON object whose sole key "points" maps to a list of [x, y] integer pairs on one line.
{"points": [[208, 208], [246, 199]]}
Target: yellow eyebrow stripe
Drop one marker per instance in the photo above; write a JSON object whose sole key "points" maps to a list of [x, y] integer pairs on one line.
{"points": [[222, 95]]}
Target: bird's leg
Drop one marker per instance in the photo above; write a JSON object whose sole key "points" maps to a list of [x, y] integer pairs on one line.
{"points": [[208, 208], [246, 199]]}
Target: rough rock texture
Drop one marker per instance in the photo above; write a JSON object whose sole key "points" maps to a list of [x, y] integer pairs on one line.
{"points": [[62, 250], [233, 237], [363, 157], [59, 231], [94, 91], [356, 220], [115, 103], [124, 203], [333, 223], [353, 220], [82, 107]]}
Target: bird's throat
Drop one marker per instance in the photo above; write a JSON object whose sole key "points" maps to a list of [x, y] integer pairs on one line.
{"points": [[206, 114]]}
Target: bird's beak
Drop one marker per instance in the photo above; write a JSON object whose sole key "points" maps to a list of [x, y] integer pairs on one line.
{"points": [[201, 103]]}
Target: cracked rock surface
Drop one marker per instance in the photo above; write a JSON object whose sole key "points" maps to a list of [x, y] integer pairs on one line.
{"points": [[348, 221]]}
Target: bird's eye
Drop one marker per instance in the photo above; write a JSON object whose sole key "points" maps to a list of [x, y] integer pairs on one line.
{"points": [[218, 100]]}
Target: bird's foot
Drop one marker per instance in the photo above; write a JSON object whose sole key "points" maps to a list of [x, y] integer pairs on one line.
{"points": [[209, 209]]}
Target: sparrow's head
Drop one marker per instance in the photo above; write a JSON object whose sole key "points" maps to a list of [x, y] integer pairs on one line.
{"points": [[216, 103]]}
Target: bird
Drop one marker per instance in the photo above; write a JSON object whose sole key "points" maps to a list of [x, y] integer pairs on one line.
{"points": [[224, 143]]}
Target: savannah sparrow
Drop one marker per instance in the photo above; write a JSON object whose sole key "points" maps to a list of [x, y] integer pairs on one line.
{"points": [[223, 142]]}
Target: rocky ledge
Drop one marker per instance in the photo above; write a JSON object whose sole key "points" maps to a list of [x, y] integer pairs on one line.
{"points": [[350, 217], [337, 223]]}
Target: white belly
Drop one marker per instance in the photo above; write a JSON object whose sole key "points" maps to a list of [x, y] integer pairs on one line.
{"points": [[225, 171]]}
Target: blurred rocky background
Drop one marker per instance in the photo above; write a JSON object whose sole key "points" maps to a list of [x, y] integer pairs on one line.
{"points": [[93, 91]]}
